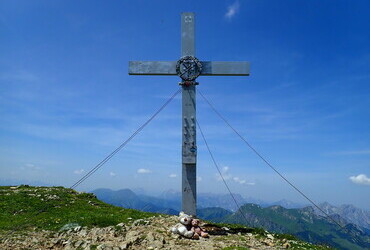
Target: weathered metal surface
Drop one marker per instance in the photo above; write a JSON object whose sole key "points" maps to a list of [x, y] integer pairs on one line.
{"points": [[189, 150], [208, 68], [152, 68], [189, 191], [187, 34], [189, 128], [225, 68]]}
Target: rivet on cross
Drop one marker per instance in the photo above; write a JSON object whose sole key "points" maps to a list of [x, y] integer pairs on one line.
{"points": [[188, 67]]}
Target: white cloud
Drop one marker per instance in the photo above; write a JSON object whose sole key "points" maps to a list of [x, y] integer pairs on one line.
{"points": [[238, 180], [172, 175], [354, 152], [232, 10], [224, 176], [112, 174], [199, 178], [227, 176], [243, 182], [30, 166], [24, 76], [143, 171], [361, 179], [79, 171]]}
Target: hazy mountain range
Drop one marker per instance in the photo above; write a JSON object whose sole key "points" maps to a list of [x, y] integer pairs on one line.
{"points": [[128, 199], [350, 213], [225, 200], [170, 202]]}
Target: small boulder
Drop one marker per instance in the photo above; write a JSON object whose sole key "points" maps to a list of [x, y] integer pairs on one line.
{"points": [[69, 227], [270, 236]]}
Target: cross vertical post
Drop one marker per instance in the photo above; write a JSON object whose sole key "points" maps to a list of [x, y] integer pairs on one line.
{"points": [[189, 146], [189, 151]]}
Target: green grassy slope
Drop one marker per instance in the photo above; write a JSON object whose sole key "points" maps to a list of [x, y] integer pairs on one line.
{"points": [[19, 206]]}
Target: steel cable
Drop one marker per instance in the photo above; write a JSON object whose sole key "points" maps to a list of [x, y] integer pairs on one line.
{"points": [[215, 163], [100, 164], [218, 169]]}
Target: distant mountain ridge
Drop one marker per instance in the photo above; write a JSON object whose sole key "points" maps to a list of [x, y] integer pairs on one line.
{"points": [[128, 199], [172, 199], [350, 213], [225, 200]]}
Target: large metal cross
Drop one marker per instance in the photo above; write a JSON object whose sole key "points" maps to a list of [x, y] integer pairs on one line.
{"points": [[188, 67]]}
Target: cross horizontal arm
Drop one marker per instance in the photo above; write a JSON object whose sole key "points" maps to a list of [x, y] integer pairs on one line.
{"points": [[225, 68], [152, 68]]}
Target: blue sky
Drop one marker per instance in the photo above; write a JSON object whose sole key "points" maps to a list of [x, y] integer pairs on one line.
{"points": [[66, 100]]}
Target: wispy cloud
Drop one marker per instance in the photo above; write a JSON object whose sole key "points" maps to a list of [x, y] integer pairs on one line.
{"points": [[232, 10], [144, 171], [78, 171], [199, 178], [172, 175], [226, 175], [243, 181], [112, 174], [30, 166], [360, 179], [353, 152], [238, 180], [20, 75]]}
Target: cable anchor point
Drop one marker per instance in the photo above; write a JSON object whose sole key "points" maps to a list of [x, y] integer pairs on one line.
{"points": [[188, 83]]}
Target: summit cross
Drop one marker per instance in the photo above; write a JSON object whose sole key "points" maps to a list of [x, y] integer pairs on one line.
{"points": [[188, 68]]}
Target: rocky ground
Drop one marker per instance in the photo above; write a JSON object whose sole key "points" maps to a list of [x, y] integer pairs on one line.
{"points": [[152, 233]]}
